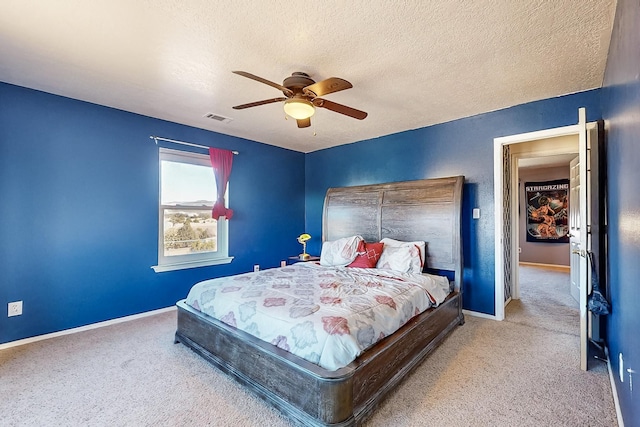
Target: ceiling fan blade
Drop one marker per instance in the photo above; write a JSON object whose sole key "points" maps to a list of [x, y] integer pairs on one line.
{"points": [[339, 108], [255, 104], [286, 91], [304, 123], [330, 85]]}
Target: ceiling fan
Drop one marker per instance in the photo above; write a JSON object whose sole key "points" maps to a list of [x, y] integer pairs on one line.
{"points": [[302, 96]]}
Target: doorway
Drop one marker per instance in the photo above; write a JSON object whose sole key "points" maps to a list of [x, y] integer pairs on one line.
{"points": [[541, 162], [590, 219], [532, 148], [541, 280]]}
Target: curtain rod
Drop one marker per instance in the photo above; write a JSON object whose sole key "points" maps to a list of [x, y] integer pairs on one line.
{"points": [[159, 138]]}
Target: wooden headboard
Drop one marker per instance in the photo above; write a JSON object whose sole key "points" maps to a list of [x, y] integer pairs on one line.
{"points": [[427, 209]]}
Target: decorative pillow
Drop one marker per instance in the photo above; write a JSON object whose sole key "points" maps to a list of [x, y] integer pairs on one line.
{"points": [[418, 264], [405, 259], [368, 255], [341, 252]]}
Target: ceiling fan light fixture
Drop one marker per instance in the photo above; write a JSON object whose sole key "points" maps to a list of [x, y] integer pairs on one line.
{"points": [[299, 109]]}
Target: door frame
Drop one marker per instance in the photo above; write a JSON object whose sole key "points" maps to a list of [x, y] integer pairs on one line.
{"points": [[498, 182]]}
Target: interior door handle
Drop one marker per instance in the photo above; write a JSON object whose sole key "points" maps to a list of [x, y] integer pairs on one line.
{"points": [[580, 252]]}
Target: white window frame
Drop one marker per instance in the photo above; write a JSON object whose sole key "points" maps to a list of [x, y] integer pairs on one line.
{"points": [[179, 262]]}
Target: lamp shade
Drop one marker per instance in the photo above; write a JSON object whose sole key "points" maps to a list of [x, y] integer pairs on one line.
{"points": [[299, 109]]}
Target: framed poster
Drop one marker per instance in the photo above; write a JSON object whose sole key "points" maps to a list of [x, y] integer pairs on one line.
{"points": [[547, 211]]}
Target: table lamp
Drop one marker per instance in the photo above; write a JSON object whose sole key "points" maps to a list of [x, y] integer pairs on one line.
{"points": [[302, 239]]}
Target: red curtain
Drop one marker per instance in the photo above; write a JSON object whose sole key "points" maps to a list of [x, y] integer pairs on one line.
{"points": [[221, 160]]}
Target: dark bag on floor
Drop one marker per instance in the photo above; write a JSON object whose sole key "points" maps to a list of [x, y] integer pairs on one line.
{"points": [[596, 303]]}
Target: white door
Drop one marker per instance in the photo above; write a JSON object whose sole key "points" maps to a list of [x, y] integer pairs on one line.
{"points": [[574, 227], [583, 240]]}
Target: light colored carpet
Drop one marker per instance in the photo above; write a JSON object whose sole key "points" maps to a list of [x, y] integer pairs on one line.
{"points": [[486, 373], [545, 301]]}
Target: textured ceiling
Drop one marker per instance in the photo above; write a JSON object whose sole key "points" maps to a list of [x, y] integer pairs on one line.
{"points": [[412, 64]]}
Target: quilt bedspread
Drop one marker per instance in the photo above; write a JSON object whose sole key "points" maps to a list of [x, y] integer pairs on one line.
{"points": [[325, 315]]}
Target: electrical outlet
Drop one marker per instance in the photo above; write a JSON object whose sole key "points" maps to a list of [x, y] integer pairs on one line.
{"points": [[256, 267], [14, 308], [283, 263]]}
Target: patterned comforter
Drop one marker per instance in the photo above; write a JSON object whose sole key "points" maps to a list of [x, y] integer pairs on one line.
{"points": [[326, 315]]}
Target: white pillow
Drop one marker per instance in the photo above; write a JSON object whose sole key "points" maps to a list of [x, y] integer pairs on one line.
{"points": [[341, 252], [401, 258], [417, 264]]}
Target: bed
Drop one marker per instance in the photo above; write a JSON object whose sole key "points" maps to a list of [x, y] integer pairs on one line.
{"points": [[426, 210]]}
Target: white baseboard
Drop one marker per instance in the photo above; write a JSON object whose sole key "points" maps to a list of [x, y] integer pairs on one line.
{"points": [[566, 268], [85, 328], [614, 389], [478, 314]]}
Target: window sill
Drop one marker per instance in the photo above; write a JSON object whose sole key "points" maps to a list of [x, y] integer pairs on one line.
{"points": [[193, 264]]}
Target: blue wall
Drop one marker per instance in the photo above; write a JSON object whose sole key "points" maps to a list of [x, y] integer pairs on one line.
{"points": [[462, 147], [79, 211], [79, 188], [621, 111]]}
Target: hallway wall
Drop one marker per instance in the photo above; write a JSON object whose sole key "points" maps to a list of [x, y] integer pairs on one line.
{"points": [[540, 252]]}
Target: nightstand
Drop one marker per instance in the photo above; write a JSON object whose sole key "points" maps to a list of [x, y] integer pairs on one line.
{"points": [[294, 259]]}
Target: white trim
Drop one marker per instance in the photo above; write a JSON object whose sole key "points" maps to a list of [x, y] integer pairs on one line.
{"points": [[614, 390], [85, 328], [192, 264], [539, 134], [478, 314], [498, 184]]}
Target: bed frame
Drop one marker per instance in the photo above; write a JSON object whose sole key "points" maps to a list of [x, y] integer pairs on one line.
{"points": [[309, 395]]}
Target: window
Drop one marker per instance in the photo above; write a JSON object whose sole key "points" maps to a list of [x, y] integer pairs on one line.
{"points": [[188, 236]]}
